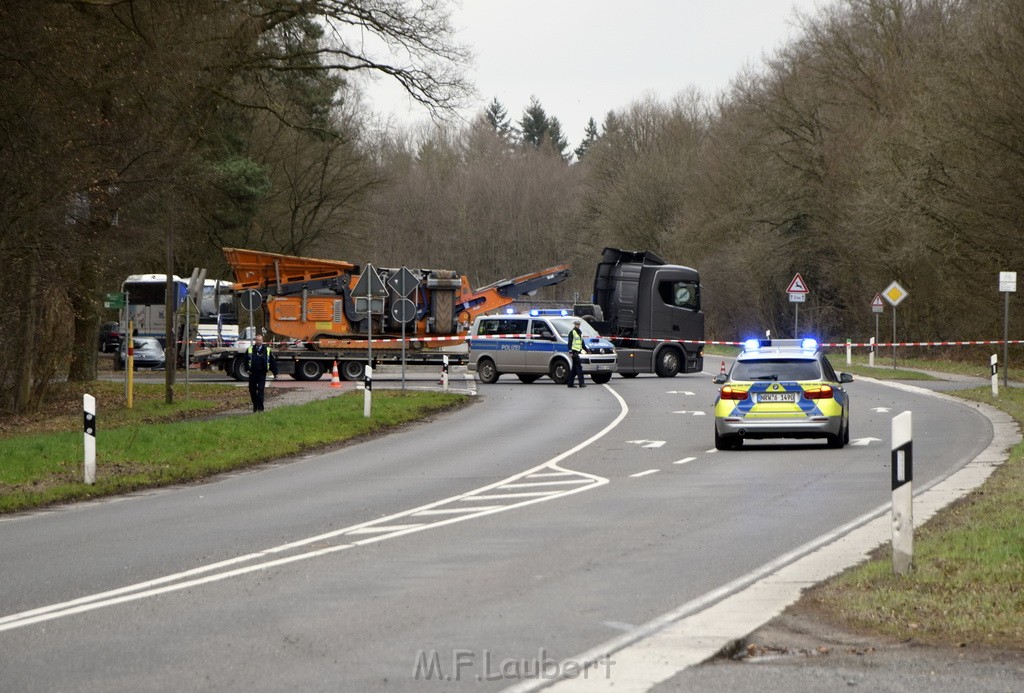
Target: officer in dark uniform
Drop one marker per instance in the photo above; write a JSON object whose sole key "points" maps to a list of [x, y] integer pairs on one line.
{"points": [[259, 359]]}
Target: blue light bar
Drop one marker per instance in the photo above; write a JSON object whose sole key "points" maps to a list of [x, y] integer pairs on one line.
{"points": [[752, 344], [809, 345]]}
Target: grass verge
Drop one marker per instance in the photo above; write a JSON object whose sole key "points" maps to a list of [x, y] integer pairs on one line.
{"points": [[156, 445]]}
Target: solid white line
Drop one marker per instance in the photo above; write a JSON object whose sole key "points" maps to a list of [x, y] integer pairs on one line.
{"points": [[649, 471], [151, 588], [532, 484], [684, 460], [499, 496], [540, 474], [383, 528], [455, 511]]}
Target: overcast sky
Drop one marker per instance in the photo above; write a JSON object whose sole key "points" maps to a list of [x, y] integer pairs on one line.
{"points": [[582, 58]]}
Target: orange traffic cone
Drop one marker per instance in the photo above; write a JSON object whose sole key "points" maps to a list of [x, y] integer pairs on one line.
{"points": [[722, 371], [335, 381]]}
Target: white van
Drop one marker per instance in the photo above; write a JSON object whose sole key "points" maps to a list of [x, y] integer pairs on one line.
{"points": [[534, 344]]}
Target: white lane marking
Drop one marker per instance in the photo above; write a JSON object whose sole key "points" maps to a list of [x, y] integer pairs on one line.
{"points": [[383, 528], [712, 450], [647, 443], [522, 494], [181, 580], [645, 473], [534, 484], [865, 441], [684, 460], [679, 392], [542, 474], [454, 511], [881, 410], [687, 411]]}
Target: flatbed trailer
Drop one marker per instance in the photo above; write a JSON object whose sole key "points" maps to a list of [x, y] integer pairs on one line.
{"points": [[304, 363]]}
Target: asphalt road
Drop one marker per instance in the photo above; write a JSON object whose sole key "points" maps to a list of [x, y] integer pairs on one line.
{"points": [[528, 528]]}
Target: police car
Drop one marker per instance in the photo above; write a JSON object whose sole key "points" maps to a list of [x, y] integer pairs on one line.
{"points": [[534, 344], [782, 388]]}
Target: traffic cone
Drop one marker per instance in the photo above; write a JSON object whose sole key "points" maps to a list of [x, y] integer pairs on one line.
{"points": [[335, 381], [722, 370]]}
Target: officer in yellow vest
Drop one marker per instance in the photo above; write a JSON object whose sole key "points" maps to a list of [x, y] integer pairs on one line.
{"points": [[576, 347], [259, 359]]}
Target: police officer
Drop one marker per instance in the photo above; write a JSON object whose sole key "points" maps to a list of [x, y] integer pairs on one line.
{"points": [[259, 359], [576, 347]]}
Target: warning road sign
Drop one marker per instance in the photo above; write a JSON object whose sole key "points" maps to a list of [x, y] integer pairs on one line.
{"points": [[798, 286], [877, 306]]}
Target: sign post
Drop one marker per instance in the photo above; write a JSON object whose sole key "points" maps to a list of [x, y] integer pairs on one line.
{"points": [[797, 291], [1007, 285], [370, 288], [403, 310], [894, 294]]}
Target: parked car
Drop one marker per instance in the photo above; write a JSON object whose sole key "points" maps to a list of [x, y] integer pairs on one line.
{"points": [[110, 337], [149, 353]]}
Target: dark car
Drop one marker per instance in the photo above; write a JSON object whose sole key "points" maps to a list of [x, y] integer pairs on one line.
{"points": [[110, 337], [148, 353]]}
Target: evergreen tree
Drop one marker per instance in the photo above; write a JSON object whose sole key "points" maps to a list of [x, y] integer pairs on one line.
{"points": [[555, 138], [590, 136], [534, 123], [497, 118]]}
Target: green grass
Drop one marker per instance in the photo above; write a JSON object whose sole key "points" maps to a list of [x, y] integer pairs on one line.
{"points": [[46, 468]]}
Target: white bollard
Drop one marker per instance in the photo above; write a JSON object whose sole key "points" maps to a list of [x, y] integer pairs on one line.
{"points": [[444, 372], [902, 493], [994, 363], [871, 353], [367, 391], [89, 407], [848, 353]]}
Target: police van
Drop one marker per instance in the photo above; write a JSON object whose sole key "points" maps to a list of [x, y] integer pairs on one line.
{"points": [[534, 344]]}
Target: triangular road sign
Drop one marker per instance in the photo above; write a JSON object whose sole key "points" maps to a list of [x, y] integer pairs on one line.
{"points": [[876, 302], [370, 283], [798, 286]]}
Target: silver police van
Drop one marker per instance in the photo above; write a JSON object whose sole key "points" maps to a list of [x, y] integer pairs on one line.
{"points": [[534, 344]]}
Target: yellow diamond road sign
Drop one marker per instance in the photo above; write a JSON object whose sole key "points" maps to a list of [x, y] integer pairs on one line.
{"points": [[894, 293]]}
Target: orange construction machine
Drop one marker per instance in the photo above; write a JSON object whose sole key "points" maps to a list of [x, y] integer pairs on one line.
{"points": [[331, 303]]}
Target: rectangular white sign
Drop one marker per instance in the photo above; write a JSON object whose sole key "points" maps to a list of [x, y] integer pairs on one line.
{"points": [[1008, 281]]}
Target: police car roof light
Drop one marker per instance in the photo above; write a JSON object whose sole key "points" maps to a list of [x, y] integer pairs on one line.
{"points": [[809, 344], [752, 345]]}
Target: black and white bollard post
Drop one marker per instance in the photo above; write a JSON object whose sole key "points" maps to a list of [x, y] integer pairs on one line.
{"points": [[994, 363], [902, 493], [367, 391], [444, 372], [89, 409]]}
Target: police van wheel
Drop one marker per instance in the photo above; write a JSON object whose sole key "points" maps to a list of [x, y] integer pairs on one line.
{"points": [[668, 363], [601, 378], [487, 371], [559, 371], [528, 378]]}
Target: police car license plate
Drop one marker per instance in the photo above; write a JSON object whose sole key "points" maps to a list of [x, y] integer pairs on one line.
{"points": [[788, 397]]}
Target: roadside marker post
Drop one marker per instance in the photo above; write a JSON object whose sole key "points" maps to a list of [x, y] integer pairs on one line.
{"points": [[444, 372], [994, 363], [871, 352], [368, 391], [89, 411], [849, 347], [902, 463]]}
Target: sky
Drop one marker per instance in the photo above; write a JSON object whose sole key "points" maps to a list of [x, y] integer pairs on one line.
{"points": [[583, 58]]}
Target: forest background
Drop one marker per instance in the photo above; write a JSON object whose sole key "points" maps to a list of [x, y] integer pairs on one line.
{"points": [[884, 142]]}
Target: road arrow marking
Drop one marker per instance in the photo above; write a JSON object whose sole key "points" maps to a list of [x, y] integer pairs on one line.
{"points": [[648, 443], [865, 441]]}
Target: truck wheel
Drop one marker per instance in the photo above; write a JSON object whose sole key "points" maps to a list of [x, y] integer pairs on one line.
{"points": [[559, 371], [352, 370], [238, 370], [487, 371], [528, 378], [668, 363], [629, 375], [309, 370], [601, 378]]}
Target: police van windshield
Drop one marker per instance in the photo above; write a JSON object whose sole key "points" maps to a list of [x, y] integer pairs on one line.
{"points": [[564, 325]]}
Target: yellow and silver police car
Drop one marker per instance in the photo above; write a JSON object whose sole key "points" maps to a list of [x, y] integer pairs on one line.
{"points": [[782, 388]]}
